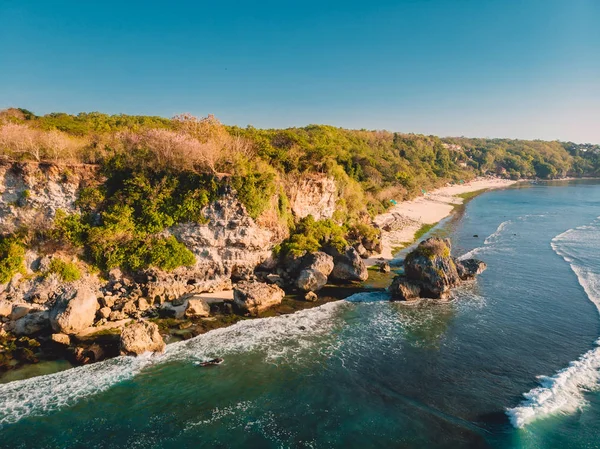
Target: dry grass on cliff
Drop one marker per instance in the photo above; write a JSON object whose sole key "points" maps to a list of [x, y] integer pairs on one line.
{"points": [[202, 145]]}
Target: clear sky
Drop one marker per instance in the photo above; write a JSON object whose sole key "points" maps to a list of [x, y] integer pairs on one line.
{"points": [[488, 68]]}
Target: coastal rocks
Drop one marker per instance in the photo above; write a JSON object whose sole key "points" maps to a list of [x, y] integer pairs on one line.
{"points": [[311, 297], [255, 297], [316, 267], [140, 337], [384, 267], [75, 310], [61, 339], [348, 266], [229, 244], [197, 308], [5, 308], [32, 323], [403, 289], [430, 272], [469, 268], [431, 264]]}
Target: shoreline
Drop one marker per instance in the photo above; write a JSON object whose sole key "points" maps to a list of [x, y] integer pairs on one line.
{"points": [[407, 221]]}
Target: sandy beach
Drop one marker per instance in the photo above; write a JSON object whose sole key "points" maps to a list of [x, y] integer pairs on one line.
{"points": [[400, 223]]}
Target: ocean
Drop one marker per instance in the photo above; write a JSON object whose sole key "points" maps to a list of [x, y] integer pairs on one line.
{"points": [[512, 362]]}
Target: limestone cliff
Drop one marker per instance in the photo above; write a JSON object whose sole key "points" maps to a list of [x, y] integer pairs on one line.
{"points": [[313, 195]]}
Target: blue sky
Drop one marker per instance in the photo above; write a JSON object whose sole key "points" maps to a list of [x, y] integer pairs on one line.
{"points": [[489, 68]]}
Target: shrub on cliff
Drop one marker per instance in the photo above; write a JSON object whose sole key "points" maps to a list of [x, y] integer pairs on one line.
{"points": [[11, 258], [67, 271], [310, 235]]}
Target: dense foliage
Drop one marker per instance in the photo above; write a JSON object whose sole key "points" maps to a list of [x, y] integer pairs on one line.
{"points": [[12, 255], [67, 271], [160, 172]]}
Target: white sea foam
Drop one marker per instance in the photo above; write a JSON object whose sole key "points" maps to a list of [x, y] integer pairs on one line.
{"points": [[278, 338], [496, 235], [488, 243], [564, 392]]}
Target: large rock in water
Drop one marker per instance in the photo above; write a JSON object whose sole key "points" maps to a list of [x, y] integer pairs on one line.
{"points": [[431, 264], [74, 311], [140, 337], [430, 271], [348, 266], [256, 297], [469, 268], [316, 268], [403, 289]]}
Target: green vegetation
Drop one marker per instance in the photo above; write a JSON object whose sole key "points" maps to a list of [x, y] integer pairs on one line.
{"points": [[310, 235], [12, 255], [424, 230], [67, 271], [160, 172], [467, 196]]}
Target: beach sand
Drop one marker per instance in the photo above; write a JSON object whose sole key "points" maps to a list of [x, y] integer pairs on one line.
{"points": [[400, 223]]}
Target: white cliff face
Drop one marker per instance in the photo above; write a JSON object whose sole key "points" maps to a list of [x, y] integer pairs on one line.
{"points": [[230, 243], [313, 195], [31, 193]]}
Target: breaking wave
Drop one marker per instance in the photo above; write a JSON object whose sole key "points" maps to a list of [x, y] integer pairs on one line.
{"points": [[280, 337], [488, 242], [564, 391]]}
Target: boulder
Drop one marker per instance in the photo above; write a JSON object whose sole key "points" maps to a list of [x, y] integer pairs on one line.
{"points": [[403, 289], [311, 297], [61, 339], [384, 267], [255, 297], [22, 309], [318, 261], [348, 266], [311, 280], [197, 308], [432, 266], [142, 304], [75, 310], [32, 323], [104, 312], [5, 308], [140, 337], [469, 268]]}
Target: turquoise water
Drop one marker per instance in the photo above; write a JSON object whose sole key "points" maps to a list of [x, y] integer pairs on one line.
{"points": [[366, 372]]}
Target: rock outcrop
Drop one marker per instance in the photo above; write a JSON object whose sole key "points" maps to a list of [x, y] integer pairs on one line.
{"points": [[32, 193], [140, 337], [32, 323], [315, 269], [431, 272], [468, 269], [313, 195], [348, 266], [255, 297], [74, 310], [197, 308]]}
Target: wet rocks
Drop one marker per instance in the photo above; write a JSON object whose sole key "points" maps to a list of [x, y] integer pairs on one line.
{"points": [[140, 337], [403, 289], [315, 269], [197, 308], [431, 272], [255, 297], [348, 266], [469, 268]]}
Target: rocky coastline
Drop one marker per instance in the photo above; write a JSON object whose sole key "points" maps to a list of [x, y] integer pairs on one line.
{"points": [[236, 275]]}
